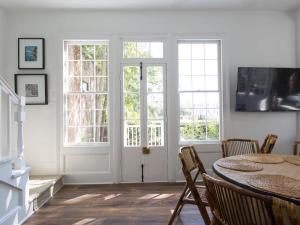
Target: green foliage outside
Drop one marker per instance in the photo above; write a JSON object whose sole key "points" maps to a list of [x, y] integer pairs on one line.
{"points": [[197, 131]]}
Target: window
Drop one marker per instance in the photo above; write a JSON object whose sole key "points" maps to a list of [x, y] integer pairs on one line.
{"points": [[86, 92], [199, 90], [138, 49]]}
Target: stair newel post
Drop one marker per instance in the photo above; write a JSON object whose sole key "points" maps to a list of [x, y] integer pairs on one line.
{"points": [[20, 118]]}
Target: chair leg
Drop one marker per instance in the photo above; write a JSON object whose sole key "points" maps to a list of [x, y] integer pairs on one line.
{"points": [[204, 214], [214, 221], [178, 207]]}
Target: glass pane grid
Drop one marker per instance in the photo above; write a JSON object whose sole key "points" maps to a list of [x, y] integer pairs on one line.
{"points": [[138, 49], [198, 67], [86, 93]]}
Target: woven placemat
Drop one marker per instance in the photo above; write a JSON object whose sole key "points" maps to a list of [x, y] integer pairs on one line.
{"points": [[293, 159], [263, 158], [239, 164], [277, 184]]}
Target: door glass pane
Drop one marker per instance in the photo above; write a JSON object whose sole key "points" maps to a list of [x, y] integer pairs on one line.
{"points": [[131, 106], [155, 106]]}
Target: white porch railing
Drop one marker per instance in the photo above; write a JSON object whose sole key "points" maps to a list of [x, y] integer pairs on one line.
{"points": [[133, 135], [6, 153]]}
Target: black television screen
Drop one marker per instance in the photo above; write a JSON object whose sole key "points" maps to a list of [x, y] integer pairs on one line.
{"points": [[268, 89]]}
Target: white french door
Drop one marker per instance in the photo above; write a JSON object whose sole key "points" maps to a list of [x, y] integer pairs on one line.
{"points": [[144, 151]]}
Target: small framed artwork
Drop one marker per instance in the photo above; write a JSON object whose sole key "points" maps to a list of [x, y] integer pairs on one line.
{"points": [[33, 87], [31, 53]]}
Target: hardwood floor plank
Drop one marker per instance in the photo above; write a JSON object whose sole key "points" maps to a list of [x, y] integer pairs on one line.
{"points": [[115, 204]]}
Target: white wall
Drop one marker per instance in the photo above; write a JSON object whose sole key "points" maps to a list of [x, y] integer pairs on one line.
{"points": [[2, 40], [298, 37], [250, 39]]}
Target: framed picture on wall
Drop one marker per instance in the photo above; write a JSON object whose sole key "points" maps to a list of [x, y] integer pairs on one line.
{"points": [[33, 87], [31, 53]]}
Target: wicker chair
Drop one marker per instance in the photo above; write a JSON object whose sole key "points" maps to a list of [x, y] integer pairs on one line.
{"points": [[192, 193], [269, 143], [237, 146], [297, 148], [232, 205]]}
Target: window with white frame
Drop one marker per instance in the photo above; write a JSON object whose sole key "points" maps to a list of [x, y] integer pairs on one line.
{"points": [[141, 49], [85, 89], [199, 67]]}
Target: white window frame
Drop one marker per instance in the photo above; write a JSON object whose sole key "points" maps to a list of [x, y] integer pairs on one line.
{"points": [[109, 94], [220, 84]]}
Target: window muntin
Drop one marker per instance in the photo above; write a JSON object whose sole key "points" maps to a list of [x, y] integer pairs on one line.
{"points": [[139, 49], [199, 90], [85, 91]]}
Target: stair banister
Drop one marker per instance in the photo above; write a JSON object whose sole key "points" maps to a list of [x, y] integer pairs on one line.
{"points": [[19, 116]]}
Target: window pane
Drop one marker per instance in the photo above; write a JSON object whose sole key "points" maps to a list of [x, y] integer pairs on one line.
{"points": [[198, 70], [154, 79], [211, 83], [211, 67], [184, 51], [198, 83], [155, 106], [197, 67], [131, 78], [101, 117], [211, 51], [74, 84], [133, 49], [199, 100], [155, 133], [74, 52], [86, 134], [101, 52], [73, 118], [88, 52], [186, 100], [102, 84], [74, 68], [157, 50], [132, 133], [198, 51], [132, 106], [185, 67], [143, 50], [86, 116], [88, 68], [101, 134], [73, 102], [88, 84], [185, 83], [101, 68], [87, 101], [101, 101], [213, 100]]}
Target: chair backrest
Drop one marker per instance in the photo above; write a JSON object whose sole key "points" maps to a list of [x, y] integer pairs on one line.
{"points": [[238, 146], [232, 205], [269, 143], [297, 148], [190, 159]]}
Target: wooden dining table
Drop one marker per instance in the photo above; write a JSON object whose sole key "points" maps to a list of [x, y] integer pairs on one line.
{"points": [[286, 209], [240, 178]]}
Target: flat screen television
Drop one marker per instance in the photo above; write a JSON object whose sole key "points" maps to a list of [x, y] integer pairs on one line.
{"points": [[268, 89]]}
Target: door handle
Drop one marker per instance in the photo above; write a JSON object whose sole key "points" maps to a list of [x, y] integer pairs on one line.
{"points": [[146, 150]]}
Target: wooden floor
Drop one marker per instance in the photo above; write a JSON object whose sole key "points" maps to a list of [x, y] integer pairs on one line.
{"points": [[122, 204]]}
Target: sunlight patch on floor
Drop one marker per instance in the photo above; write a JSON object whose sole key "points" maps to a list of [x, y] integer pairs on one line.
{"points": [[163, 196], [148, 196], [108, 197], [84, 221], [81, 198]]}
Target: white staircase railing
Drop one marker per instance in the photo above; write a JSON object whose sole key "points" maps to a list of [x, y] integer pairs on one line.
{"points": [[19, 117]]}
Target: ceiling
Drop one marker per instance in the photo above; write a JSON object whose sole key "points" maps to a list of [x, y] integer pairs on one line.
{"points": [[282, 5]]}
